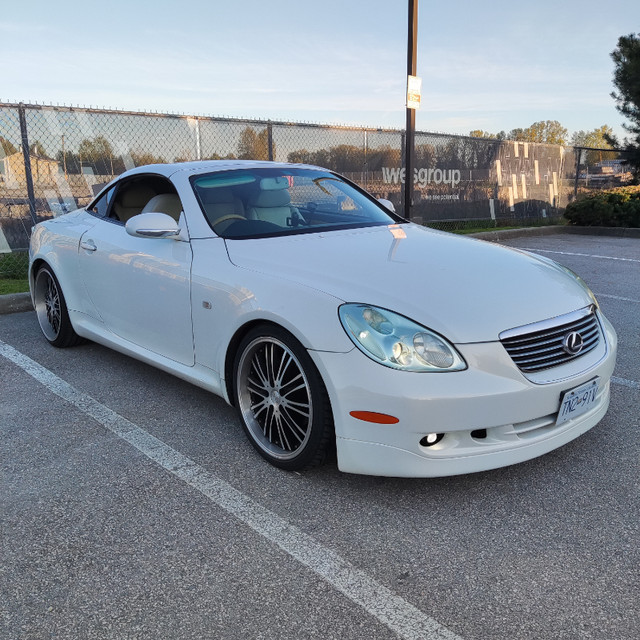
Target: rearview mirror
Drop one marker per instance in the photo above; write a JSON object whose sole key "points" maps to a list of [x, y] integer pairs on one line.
{"points": [[152, 225]]}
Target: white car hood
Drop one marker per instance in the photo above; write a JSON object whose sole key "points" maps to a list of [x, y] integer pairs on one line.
{"points": [[465, 289]]}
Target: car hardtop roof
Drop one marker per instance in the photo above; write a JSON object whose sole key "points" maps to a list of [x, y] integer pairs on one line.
{"points": [[204, 166]]}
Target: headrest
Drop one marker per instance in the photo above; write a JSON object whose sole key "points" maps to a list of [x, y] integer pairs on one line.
{"points": [[271, 199], [168, 203], [137, 196]]}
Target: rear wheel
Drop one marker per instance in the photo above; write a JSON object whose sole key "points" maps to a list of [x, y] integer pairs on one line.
{"points": [[282, 401], [51, 310]]}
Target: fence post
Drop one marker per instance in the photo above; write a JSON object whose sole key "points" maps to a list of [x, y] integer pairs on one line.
{"points": [[198, 147], [403, 144], [578, 152], [27, 162], [365, 165], [270, 140]]}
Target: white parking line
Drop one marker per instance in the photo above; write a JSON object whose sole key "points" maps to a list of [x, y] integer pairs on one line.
{"points": [[584, 255], [396, 613], [607, 295], [632, 384]]}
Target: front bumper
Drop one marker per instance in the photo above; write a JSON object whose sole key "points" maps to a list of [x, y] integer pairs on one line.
{"points": [[491, 415]]}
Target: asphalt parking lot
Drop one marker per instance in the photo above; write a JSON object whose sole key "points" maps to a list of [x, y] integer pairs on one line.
{"points": [[133, 507]]}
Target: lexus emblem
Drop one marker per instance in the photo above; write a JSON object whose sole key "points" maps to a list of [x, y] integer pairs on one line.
{"points": [[573, 343]]}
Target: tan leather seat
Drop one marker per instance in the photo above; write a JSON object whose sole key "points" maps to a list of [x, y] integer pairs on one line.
{"points": [[168, 203], [219, 203], [132, 201], [272, 206]]}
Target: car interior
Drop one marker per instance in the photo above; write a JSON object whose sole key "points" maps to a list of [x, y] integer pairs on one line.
{"points": [[244, 204], [146, 194], [269, 203]]}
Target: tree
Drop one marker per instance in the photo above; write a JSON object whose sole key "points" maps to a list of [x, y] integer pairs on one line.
{"points": [[479, 133], [140, 159], [253, 145], [346, 158], [517, 134], [626, 79], [301, 156], [466, 153], [69, 161], [599, 138], [98, 153], [545, 131], [383, 156]]}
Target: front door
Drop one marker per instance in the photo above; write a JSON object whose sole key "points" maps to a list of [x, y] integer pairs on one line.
{"points": [[140, 288]]}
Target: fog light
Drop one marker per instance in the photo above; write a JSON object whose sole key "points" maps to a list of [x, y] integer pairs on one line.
{"points": [[431, 438]]}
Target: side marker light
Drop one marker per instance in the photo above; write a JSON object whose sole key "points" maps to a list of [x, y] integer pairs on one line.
{"points": [[376, 418]]}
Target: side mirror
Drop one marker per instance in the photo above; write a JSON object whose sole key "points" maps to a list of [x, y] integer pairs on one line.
{"points": [[152, 225], [387, 204]]}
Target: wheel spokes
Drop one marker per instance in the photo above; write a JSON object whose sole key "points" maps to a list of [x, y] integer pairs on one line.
{"points": [[259, 372], [49, 305], [284, 443], [279, 397], [294, 428], [285, 361]]}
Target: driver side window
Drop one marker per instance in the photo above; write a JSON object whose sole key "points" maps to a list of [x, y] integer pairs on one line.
{"points": [[135, 195], [131, 199]]}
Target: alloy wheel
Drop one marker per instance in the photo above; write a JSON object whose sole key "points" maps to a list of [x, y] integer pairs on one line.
{"points": [[275, 397], [47, 303]]}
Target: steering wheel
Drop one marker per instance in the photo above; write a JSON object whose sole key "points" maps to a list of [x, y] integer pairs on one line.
{"points": [[231, 216]]}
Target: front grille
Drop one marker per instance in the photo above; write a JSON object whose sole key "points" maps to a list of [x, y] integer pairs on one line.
{"points": [[542, 345]]}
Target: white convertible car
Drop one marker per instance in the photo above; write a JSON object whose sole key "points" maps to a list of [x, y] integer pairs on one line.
{"points": [[327, 319]]}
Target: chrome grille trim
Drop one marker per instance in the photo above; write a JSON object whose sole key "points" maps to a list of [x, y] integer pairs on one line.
{"points": [[539, 346]]}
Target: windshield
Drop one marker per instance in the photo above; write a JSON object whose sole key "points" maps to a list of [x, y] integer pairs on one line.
{"points": [[252, 203]]}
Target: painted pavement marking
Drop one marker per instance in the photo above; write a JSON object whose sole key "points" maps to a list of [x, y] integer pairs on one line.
{"points": [[390, 609]]}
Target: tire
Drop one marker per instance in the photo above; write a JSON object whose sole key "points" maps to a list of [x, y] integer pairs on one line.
{"points": [[281, 399], [51, 310]]}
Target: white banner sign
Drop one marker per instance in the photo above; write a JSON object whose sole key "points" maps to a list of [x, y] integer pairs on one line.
{"points": [[414, 88]]}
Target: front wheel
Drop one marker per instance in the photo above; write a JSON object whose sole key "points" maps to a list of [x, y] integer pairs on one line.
{"points": [[282, 401], [51, 310]]}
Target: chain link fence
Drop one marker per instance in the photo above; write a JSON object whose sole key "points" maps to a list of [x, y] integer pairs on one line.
{"points": [[55, 159]]}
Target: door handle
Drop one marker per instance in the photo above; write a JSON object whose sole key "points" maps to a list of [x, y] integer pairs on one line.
{"points": [[88, 245]]}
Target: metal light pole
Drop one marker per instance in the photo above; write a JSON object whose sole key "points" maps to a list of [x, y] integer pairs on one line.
{"points": [[412, 67]]}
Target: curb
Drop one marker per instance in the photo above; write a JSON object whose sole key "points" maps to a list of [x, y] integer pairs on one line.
{"points": [[15, 303], [506, 234], [619, 232], [499, 236]]}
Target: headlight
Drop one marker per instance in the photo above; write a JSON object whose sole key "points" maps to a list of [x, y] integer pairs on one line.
{"points": [[396, 341]]}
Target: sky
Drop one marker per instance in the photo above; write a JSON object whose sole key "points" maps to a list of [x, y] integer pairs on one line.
{"points": [[494, 65]]}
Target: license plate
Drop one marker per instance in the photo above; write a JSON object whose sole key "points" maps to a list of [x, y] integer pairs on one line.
{"points": [[575, 402]]}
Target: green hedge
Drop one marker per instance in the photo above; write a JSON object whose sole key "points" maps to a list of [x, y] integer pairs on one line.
{"points": [[613, 208]]}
